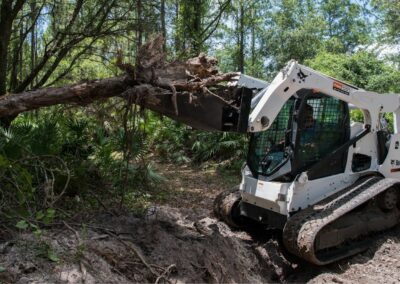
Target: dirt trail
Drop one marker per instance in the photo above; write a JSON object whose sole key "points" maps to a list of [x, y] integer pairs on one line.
{"points": [[178, 242]]}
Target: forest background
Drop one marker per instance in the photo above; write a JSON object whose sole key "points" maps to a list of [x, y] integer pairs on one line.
{"points": [[65, 159]]}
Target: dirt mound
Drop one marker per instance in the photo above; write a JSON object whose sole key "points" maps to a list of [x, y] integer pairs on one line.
{"points": [[179, 243], [173, 245], [167, 244]]}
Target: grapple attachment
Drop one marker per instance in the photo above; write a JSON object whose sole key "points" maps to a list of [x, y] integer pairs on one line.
{"points": [[205, 111]]}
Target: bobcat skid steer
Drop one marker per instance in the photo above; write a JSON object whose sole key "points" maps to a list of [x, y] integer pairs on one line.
{"points": [[329, 184]]}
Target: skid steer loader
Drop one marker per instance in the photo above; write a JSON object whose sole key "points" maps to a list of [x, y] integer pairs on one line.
{"points": [[329, 184]]}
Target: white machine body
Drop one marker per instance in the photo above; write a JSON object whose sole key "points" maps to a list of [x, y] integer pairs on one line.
{"points": [[288, 197]]}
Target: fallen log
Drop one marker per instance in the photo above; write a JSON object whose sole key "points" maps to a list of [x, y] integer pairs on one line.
{"points": [[193, 92], [80, 94]]}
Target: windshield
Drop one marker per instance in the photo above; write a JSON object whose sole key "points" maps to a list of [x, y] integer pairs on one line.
{"points": [[267, 148]]}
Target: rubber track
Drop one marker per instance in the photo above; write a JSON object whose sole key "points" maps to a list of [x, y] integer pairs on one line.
{"points": [[223, 204], [301, 229]]}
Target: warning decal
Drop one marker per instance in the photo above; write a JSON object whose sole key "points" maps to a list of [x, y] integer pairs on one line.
{"points": [[340, 87]]}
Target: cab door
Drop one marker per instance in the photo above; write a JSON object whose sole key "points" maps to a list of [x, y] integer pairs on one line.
{"points": [[323, 125]]}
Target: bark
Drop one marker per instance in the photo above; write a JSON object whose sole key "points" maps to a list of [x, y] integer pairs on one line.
{"points": [[81, 93], [15, 65], [33, 36]]}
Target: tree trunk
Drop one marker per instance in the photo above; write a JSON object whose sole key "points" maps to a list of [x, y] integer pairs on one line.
{"points": [[81, 94], [253, 38], [196, 29], [163, 25], [5, 34], [33, 38], [241, 38], [20, 58], [139, 29], [15, 64], [8, 13], [178, 41]]}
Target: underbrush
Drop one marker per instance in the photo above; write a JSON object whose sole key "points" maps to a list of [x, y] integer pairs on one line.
{"points": [[177, 143], [56, 163], [52, 165]]}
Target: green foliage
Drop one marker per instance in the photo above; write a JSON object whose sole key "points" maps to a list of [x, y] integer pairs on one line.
{"points": [[190, 24], [22, 225], [346, 26], [220, 147], [293, 31], [169, 140], [389, 18], [275, 32], [51, 255], [175, 142], [195, 23], [363, 69], [47, 216], [53, 157]]}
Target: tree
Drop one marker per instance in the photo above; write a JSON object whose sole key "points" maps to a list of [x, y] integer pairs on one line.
{"points": [[8, 13], [363, 69], [390, 12], [345, 26], [197, 21], [294, 30], [240, 35]]}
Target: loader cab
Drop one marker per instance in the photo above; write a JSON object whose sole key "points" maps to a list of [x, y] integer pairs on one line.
{"points": [[308, 128]]}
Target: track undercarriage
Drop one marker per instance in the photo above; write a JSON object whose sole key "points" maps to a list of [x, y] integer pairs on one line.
{"points": [[337, 227]]}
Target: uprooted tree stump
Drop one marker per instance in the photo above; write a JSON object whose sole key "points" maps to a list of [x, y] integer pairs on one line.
{"points": [[183, 91]]}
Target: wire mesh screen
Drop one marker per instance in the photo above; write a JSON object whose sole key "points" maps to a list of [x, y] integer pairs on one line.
{"points": [[322, 129], [269, 145]]}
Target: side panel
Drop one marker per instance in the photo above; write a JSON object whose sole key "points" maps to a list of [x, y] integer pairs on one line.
{"points": [[284, 198], [309, 192], [391, 166], [268, 195], [303, 192]]}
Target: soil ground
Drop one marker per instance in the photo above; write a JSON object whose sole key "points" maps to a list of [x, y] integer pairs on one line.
{"points": [[178, 241]]}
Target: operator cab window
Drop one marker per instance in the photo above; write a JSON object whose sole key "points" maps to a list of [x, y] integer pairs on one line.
{"points": [[267, 148], [306, 130], [323, 127]]}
